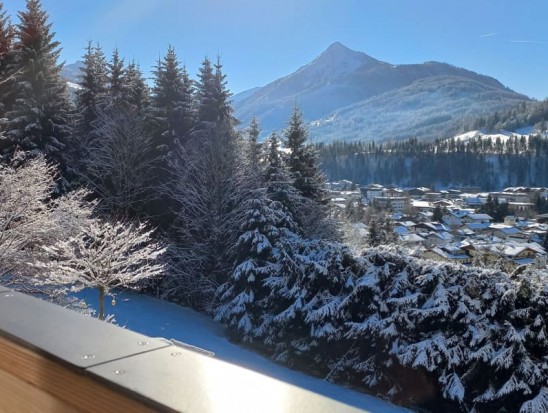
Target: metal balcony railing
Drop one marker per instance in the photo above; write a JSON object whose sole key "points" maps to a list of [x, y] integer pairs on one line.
{"points": [[57, 360]]}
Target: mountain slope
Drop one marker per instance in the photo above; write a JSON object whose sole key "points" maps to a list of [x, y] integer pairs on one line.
{"points": [[347, 85]]}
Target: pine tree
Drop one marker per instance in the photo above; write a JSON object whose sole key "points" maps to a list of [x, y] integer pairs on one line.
{"points": [[136, 91], [302, 160], [116, 80], [253, 141], [92, 96], [212, 94], [172, 102], [7, 34], [244, 298], [278, 181], [209, 186], [39, 120]]}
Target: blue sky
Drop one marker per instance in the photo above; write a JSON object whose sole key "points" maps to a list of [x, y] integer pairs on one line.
{"points": [[261, 40]]}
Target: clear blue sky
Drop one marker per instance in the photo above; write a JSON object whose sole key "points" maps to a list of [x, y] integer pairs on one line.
{"points": [[261, 40]]}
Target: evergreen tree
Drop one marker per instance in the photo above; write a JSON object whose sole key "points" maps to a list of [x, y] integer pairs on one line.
{"points": [[39, 120], [212, 94], [172, 102], [116, 80], [136, 91], [278, 181], [209, 186], [244, 298], [380, 230], [7, 34], [253, 141], [302, 160], [92, 96], [438, 212]]}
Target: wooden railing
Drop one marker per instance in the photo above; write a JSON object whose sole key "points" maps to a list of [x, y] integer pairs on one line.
{"points": [[57, 360]]}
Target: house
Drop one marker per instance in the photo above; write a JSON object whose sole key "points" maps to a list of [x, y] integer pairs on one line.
{"points": [[432, 226], [512, 252], [506, 232], [421, 206], [418, 192], [410, 239], [391, 203], [437, 238], [454, 216], [448, 253], [477, 218], [372, 191], [474, 202], [393, 193]]}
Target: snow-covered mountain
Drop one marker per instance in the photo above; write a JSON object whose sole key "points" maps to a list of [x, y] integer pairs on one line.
{"points": [[71, 73], [348, 95]]}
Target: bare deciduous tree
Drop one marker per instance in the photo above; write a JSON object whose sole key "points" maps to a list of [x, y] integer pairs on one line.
{"points": [[103, 255], [120, 164]]}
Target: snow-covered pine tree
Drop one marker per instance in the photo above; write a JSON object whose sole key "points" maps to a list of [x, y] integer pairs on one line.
{"points": [[39, 120], [302, 163], [278, 181], [305, 327], [244, 298]]}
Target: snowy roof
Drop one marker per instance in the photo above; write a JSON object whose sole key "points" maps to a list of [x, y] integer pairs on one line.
{"points": [[411, 238], [477, 226], [474, 201], [480, 217], [420, 204]]}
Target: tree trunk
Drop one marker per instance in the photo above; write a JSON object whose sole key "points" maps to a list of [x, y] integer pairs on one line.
{"points": [[101, 303]]}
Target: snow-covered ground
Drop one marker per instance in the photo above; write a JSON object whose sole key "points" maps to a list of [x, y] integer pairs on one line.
{"points": [[159, 318]]}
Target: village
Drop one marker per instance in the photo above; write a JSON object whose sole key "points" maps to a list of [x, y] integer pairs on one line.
{"points": [[451, 225]]}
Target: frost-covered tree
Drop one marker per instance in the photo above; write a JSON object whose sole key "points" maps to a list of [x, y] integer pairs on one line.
{"points": [[29, 217], [103, 255], [209, 186], [119, 167], [39, 120]]}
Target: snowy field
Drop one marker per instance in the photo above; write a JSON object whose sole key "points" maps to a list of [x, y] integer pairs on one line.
{"points": [[157, 318]]}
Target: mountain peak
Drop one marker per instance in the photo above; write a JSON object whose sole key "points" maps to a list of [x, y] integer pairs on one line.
{"points": [[337, 60], [338, 46]]}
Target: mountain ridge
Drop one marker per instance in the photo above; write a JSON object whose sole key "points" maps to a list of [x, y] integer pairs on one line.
{"points": [[340, 78]]}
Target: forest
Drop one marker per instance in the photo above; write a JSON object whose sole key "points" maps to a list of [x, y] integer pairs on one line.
{"points": [[491, 164], [155, 188]]}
